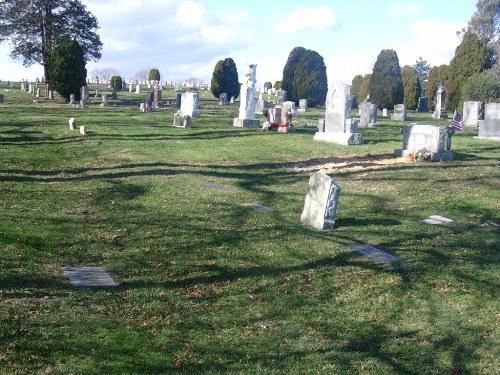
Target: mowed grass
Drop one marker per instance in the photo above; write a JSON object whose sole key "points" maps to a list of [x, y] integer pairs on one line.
{"points": [[208, 286]]}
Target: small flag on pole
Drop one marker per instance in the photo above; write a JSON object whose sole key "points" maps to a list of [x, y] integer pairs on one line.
{"points": [[458, 122]]}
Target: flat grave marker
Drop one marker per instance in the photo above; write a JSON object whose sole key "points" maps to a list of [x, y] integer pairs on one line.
{"points": [[436, 220], [88, 276], [375, 254], [257, 207]]}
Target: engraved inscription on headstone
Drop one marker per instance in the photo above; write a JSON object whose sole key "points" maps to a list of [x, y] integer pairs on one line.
{"points": [[321, 202]]}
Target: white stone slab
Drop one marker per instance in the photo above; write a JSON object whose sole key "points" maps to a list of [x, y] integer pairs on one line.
{"points": [[375, 254], [88, 276], [216, 186], [257, 207], [436, 220]]}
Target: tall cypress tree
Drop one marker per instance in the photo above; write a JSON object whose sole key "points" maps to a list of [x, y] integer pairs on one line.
{"points": [[471, 57], [355, 86], [289, 72], [411, 85], [363, 88], [225, 79], [386, 85], [67, 68], [310, 81], [438, 75]]}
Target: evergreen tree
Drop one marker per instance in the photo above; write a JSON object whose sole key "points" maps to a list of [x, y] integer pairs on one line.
{"points": [[355, 86], [34, 28], [411, 86], [116, 83], [268, 85], [422, 68], [310, 80], [482, 87], [386, 85], [471, 57], [438, 75], [363, 89], [225, 79], [154, 75], [67, 68], [277, 85], [289, 72]]}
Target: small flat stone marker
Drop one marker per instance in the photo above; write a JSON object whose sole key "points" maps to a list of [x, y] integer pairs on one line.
{"points": [[375, 254], [88, 276], [217, 186], [436, 220], [257, 207]]}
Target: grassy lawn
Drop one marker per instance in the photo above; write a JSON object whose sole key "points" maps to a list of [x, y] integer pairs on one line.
{"points": [[208, 286]]}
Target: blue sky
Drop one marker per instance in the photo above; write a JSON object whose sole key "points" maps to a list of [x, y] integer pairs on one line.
{"points": [[186, 38]]}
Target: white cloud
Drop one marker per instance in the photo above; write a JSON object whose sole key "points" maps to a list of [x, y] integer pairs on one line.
{"points": [[189, 14], [404, 9], [435, 41], [320, 17]]}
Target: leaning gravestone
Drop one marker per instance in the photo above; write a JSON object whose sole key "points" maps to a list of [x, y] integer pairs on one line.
{"points": [[320, 206], [399, 113], [246, 115], [367, 114], [489, 128], [473, 112], [423, 104], [424, 137], [339, 127], [440, 111]]}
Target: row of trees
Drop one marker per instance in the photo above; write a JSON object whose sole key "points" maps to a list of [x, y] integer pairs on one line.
{"points": [[473, 73]]}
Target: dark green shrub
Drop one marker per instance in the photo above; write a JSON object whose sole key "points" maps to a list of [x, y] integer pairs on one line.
{"points": [[363, 89], [386, 85], [268, 86], [355, 86], [225, 79], [116, 83], [278, 84], [154, 75], [67, 69]]}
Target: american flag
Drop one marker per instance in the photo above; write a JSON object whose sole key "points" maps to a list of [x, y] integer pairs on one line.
{"points": [[457, 122]]}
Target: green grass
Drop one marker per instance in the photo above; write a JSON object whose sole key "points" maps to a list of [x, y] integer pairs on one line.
{"points": [[207, 286]]}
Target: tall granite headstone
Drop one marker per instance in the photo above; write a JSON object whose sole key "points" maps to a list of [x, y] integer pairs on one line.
{"points": [[473, 112], [246, 116], [339, 127], [367, 114], [423, 104], [489, 128], [440, 110]]}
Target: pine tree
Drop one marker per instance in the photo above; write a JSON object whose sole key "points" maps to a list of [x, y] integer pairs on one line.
{"points": [[422, 68], [411, 86], [154, 75], [471, 57], [116, 83], [386, 85], [67, 68]]}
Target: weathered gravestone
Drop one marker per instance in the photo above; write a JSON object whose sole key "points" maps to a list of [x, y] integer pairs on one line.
{"points": [[276, 115], [71, 123], [189, 104], [440, 111], [489, 128], [246, 116], [84, 96], [2, 97], [138, 88], [425, 137], [302, 105], [223, 98], [423, 104], [281, 95], [178, 100], [72, 99], [88, 277], [375, 254], [473, 112], [182, 120], [288, 105], [260, 106], [367, 114], [82, 130], [339, 127], [399, 113], [104, 102], [320, 206]]}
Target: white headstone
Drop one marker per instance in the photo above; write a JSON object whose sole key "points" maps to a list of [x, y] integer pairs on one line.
{"points": [[82, 130], [321, 202], [71, 123], [246, 117]]}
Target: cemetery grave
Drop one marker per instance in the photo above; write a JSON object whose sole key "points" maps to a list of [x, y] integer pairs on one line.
{"points": [[207, 285]]}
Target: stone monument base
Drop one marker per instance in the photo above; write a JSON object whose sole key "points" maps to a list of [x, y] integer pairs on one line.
{"points": [[339, 138], [435, 156], [246, 123], [369, 125], [439, 115], [398, 117]]}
